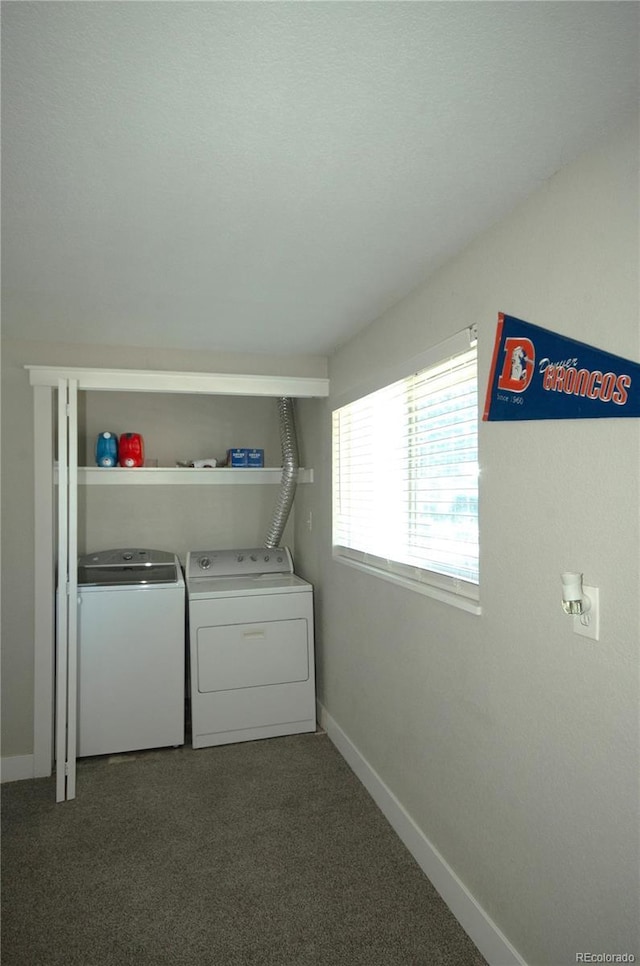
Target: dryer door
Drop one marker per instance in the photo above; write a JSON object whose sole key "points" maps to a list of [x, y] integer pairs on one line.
{"points": [[252, 668], [252, 655]]}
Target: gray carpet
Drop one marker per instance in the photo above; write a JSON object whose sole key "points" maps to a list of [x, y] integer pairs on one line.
{"points": [[267, 853]]}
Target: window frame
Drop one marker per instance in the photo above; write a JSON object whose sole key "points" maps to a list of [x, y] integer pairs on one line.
{"points": [[457, 592]]}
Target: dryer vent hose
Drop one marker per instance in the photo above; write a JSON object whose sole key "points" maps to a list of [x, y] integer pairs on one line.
{"points": [[289, 479]]}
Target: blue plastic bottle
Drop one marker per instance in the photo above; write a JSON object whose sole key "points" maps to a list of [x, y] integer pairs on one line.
{"points": [[107, 449]]}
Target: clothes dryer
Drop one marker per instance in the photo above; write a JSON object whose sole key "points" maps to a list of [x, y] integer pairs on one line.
{"points": [[251, 646]]}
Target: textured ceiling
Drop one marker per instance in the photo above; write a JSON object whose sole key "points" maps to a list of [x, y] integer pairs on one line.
{"points": [[269, 177]]}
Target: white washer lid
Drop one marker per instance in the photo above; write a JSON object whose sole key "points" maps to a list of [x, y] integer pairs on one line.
{"points": [[128, 566]]}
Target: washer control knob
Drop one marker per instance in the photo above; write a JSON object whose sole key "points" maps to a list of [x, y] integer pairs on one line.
{"points": [[240, 557], [127, 556], [204, 563], [267, 558], [253, 557]]}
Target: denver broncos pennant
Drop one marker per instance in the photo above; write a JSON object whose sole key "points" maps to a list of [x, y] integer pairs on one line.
{"points": [[537, 374]]}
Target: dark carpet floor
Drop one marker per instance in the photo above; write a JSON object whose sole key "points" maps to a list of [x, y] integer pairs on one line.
{"points": [[266, 853]]}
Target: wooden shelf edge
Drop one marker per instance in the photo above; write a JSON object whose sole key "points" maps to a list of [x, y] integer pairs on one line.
{"points": [[184, 476]]}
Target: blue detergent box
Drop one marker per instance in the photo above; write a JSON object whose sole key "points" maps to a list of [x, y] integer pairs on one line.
{"points": [[245, 457], [237, 457], [255, 457]]}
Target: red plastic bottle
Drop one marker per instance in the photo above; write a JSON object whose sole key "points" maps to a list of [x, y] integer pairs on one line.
{"points": [[131, 450]]}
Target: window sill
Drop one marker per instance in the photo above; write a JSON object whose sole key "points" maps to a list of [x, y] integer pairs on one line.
{"points": [[418, 586]]}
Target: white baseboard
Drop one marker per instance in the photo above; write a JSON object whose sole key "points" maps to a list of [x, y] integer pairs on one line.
{"points": [[16, 768], [493, 945]]}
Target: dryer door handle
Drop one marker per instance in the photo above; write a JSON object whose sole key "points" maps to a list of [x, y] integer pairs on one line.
{"points": [[258, 633]]}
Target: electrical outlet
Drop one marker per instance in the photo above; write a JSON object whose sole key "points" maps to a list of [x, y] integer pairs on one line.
{"points": [[592, 629]]}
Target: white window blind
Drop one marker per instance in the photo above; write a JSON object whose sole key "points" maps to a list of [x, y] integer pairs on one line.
{"points": [[405, 477]]}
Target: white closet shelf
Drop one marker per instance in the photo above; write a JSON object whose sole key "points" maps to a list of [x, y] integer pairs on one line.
{"points": [[181, 476]]}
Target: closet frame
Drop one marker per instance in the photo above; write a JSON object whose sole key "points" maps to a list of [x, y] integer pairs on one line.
{"points": [[56, 480]]}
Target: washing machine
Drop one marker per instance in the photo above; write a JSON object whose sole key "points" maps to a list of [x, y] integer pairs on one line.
{"points": [[131, 651], [251, 646]]}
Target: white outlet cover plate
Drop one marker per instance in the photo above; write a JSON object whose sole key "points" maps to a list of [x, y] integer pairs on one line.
{"points": [[592, 630]]}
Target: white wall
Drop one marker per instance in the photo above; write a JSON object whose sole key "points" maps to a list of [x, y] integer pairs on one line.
{"points": [[511, 742], [167, 517]]}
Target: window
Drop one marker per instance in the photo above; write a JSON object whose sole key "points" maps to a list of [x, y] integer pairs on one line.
{"points": [[405, 477]]}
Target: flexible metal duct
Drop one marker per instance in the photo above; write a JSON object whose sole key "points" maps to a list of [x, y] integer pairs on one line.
{"points": [[289, 479]]}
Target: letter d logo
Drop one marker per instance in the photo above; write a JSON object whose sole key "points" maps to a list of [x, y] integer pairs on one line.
{"points": [[517, 372]]}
